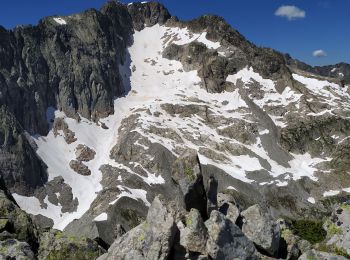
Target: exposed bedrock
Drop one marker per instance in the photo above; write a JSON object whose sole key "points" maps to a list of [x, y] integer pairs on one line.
{"points": [[72, 66], [20, 167]]}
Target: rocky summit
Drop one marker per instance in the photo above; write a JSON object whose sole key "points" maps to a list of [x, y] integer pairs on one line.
{"points": [[126, 133]]}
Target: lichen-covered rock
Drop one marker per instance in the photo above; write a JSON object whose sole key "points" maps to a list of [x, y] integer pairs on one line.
{"points": [[338, 228], [313, 254], [259, 226], [58, 245], [14, 222], [186, 172], [194, 235], [294, 246], [226, 240], [14, 249]]}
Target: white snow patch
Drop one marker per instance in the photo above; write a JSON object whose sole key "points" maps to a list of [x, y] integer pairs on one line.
{"points": [[32, 206], [135, 194], [331, 92], [210, 45], [331, 193], [271, 96], [311, 200], [60, 20], [347, 190], [264, 132], [102, 217]]}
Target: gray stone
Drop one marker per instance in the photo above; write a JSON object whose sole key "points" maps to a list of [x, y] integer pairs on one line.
{"points": [[42, 222], [84, 153], [226, 240], [227, 206], [20, 167], [14, 249], [194, 236], [148, 14], [260, 228], [79, 167], [153, 239], [14, 222], [186, 172], [55, 244]]}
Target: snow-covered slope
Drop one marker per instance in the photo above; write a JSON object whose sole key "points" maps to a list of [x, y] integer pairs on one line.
{"points": [[167, 105]]}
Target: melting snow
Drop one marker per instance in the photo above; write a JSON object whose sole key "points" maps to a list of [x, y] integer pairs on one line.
{"points": [[331, 193], [101, 217], [311, 200], [331, 92], [60, 20], [271, 96]]}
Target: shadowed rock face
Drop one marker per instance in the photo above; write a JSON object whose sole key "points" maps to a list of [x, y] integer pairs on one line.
{"points": [[71, 66], [147, 14], [20, 167], [340, 71]]}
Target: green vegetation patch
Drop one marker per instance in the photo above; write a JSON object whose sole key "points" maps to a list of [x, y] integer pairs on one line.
{"points": [[333, 229], [190, 174], [334, 250], [345, 207], [310, 230]]}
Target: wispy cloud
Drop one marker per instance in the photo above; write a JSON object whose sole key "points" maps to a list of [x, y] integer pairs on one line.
{"points": [[290, 12], [319, 53]]}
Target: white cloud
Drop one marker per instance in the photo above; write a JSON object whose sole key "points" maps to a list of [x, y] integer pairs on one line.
{"points": [[319, 53], [291, 12]]}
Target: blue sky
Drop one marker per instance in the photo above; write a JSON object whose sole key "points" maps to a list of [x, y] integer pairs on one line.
{"points": [[317, 24]]}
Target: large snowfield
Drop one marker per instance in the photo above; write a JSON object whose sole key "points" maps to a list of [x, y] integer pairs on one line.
{"points": [[156, 81]]}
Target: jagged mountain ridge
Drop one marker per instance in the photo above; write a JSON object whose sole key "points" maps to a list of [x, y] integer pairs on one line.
{"points": [[239, 107], [339, 71]]}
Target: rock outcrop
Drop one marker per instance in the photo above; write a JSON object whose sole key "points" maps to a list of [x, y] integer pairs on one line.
{"points": [[152, 239], [20, 167], [259, 227], [226, 240], [57, 245]]}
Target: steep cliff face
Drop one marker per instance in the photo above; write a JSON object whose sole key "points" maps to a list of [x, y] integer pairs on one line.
{"points": [[339, 72], [20, 166], [70, 64]]}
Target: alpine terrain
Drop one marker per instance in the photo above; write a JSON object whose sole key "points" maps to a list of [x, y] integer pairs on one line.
{"points": [[126, 133]]}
